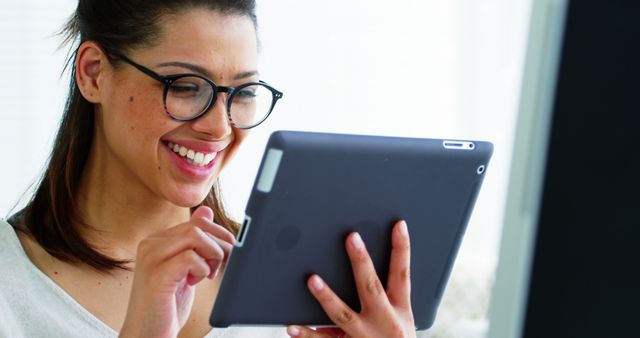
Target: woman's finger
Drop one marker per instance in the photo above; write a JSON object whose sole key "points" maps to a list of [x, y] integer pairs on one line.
{"points": [[207, 225], [305, 332], [187, 264], [159, 249], [370, 290], [399, 281], [226, 240], [215, 229], [339, 312], [225, 246]]}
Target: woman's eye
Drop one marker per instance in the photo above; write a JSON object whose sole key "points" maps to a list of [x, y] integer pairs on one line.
{"points": [[246, 94], [184, 88]]}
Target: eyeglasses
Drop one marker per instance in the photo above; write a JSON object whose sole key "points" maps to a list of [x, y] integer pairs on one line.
{"points": [[187, 97]]}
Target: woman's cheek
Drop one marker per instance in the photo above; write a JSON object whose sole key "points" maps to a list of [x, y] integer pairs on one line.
{"points": [[239, 135]]}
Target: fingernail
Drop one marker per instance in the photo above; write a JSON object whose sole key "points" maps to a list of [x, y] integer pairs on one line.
{"points": [[356, 240], [317, 283], [293, 331], [403, 228]]}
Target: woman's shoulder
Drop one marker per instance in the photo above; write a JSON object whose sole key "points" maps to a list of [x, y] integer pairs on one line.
{"points": [[30, 304], [14, 263], [9, 243], [16, 295]]}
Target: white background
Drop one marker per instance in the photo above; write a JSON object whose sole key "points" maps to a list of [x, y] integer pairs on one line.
{"points": [[429, 68]]}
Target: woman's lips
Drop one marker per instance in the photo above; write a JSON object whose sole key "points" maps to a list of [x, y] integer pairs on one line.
{"points": [[199, 146], [194, 157], [196, 165]]}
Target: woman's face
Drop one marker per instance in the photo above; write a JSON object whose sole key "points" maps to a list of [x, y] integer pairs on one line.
{"points": [[140, 139]]}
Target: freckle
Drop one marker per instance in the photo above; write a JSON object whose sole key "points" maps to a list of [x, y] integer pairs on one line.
{"points": [[158, 167], [120, 284], [99, 283], [130, 98], [55, 272], [132, 128]]}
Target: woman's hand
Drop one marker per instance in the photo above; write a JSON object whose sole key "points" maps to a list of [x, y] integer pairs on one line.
{"points": [[168, 266], [383, 314]]}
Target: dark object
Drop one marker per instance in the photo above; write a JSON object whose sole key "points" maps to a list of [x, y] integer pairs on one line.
{"points": [[584, 280], [313, 189]]}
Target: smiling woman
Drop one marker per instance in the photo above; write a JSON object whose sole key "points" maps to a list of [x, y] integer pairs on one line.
{"points": [[444, 69]]}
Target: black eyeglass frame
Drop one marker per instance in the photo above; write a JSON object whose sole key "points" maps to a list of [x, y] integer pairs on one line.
{"points": [[168, 80]]}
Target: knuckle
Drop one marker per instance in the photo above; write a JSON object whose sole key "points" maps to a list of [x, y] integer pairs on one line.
{"points": [[374, 287], [345, 317], [405, 275], [189, 256], [406, 245], [402, 245]]}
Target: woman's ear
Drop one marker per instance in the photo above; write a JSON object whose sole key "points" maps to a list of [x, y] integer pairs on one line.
{"points": [[91, 64]]}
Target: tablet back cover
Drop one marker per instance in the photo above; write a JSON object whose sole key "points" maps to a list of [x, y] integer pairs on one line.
{"points": [[313, 189]]}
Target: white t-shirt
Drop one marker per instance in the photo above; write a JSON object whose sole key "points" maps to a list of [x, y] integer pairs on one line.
{"points": [[33, 305]]}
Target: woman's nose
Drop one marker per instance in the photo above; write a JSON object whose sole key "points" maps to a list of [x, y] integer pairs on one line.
{"points": [[215, 121]]}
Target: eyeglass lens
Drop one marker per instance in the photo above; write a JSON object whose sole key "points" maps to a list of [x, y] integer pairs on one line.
{"points": [[189, 96]]}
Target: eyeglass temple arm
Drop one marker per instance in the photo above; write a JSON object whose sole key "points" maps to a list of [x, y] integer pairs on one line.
{"points": [[277, 94], [141, 68]]}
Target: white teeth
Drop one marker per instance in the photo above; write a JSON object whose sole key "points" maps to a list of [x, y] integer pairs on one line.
{"points": [[192, 157], [198, 158], [208, 158]]}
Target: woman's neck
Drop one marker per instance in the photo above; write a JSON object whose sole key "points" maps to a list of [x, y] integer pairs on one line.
{"points": [[119, 209]]}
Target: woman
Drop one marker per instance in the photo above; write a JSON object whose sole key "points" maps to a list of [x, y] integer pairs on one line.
{"points": [[126, 226]]}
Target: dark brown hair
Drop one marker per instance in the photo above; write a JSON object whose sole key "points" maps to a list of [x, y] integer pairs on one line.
{"points": [[52, 217]]}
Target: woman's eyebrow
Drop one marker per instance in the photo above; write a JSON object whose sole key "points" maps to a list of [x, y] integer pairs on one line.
{"points": [[244, 75], [189, 66], [202, 71]]}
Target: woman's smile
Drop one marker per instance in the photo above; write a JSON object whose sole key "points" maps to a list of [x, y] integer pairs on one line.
{"points": [[195, 160]]}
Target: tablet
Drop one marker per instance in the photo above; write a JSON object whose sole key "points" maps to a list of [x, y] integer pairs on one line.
{"points": [[313, 189]]}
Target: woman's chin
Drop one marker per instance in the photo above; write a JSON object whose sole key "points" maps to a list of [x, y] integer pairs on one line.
{"points": [[188, 198]]}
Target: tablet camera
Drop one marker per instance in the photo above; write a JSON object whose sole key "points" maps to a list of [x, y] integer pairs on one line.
{"points": [[480, 170], [459, 145]]}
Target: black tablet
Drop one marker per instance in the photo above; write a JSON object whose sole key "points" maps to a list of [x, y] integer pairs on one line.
{"points": [[312, 189]]}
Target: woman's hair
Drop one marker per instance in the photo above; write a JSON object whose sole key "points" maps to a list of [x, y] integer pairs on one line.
{"points": [[52, 216]]}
